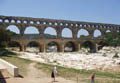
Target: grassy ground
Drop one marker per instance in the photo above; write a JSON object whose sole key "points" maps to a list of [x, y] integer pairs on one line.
{"points": [[19, 62], [80, 76]]}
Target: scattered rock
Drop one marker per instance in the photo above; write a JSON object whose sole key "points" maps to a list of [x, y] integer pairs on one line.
{"points": [[101, 60]]}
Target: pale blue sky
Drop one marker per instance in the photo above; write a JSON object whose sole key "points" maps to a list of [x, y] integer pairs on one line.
{"points": [[103, 11]]}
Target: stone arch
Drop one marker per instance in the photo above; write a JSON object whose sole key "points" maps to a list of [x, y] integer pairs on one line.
{"points": [[118, 31], [31, 22], [52, 47], [33, 46], [18, 21], [31, 32], [12, 21], [38, 22], [90, 46], [1, 20], [25, 22], [50, 32], [13, 28], [82, 33], [13, 45], [67, 33], [31, 29], [6, 21], [108, 30], [69, 47], [97, 33]]}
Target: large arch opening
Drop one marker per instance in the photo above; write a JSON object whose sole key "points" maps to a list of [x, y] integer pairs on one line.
{"points": [[52, 47], [13, 30], [88, 46], [14, 46], [97, 33], [66, 33], [50, 32], [33, 47], [118, 31], [82, 33], [31, 32], [69, 47], [108, 33]]}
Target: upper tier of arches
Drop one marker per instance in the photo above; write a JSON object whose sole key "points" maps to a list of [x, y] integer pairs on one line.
{"points": [[59, 26], [65, 23]]}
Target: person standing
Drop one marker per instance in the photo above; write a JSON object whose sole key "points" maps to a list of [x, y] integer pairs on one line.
{"points": [[53, 76], [92, 77]]}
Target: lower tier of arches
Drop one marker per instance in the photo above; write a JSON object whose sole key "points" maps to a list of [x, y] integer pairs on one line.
{"points": [[55, 46]]}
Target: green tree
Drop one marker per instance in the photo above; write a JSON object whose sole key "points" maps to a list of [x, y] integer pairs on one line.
{"points": [[112, 40], [4, 37]]}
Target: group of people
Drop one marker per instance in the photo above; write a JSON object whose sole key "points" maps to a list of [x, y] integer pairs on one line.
{"points": [[55, 72]]}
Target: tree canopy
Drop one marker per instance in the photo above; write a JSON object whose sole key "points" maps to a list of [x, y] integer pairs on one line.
{"points": [[4, 37], [112, 41]]}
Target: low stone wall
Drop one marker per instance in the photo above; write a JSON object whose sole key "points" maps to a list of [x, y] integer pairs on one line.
{"points": [[13, 70]]}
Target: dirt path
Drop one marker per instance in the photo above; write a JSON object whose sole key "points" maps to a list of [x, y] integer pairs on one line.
{"points": [[35, 76]]}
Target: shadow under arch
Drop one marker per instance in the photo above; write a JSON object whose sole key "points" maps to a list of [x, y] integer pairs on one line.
{"points": [[90, 46], [69, 47], [14, 45], [33, 47], [52, 47]]}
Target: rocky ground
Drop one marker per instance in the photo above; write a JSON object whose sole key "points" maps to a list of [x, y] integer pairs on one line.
{"points": [[103, 59]]}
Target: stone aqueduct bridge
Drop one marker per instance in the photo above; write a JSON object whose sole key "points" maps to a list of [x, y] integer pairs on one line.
{"points": [[41, 24]]}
